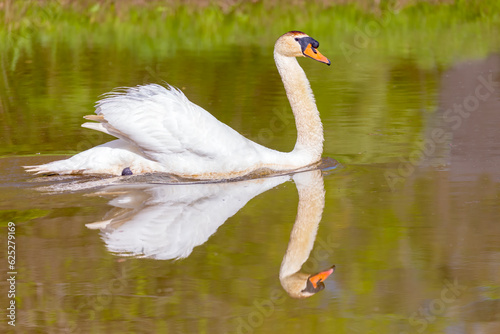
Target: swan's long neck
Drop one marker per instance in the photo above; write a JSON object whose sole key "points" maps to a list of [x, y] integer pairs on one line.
{"points": [[310, 209], [300, 95]]}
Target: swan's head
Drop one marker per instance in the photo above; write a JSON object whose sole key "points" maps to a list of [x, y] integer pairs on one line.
{"points": [[298, 44], [302, 285]]}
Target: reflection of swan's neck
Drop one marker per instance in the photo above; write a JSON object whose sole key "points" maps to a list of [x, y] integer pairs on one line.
{"points": [[310, 209], [300, 95]]}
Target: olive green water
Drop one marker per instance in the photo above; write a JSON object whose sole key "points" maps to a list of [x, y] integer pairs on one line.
{"points": [[411, 220]]}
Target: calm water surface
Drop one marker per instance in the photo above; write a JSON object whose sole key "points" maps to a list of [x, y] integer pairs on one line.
{"points": [[411, 220]]}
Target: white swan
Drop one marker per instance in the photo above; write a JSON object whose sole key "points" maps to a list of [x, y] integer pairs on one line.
{"points": [[160, 130], [167, 222]]}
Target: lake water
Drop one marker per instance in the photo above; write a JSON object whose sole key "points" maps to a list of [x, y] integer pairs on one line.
{"points": [[410, 219]]}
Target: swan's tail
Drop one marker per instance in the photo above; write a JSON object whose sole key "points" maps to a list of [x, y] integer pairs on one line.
{"points": [[59, 167], [109, 158]]}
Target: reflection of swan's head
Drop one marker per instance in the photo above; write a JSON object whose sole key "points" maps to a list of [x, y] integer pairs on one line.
{"points": [[310, 209], [302, 285], [298, 44]]}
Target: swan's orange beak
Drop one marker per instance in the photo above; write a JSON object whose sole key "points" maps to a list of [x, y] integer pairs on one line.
{"points": [[320, 277], [315, 54]]}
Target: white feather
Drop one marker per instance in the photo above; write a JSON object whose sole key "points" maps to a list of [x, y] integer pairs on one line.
{"points": [[167, 222], [160, 130]]}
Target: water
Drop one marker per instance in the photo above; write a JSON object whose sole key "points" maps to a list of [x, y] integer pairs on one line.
{"points": [[410, 220]]}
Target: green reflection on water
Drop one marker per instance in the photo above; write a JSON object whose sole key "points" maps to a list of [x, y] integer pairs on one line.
{"points": [[7, 216]]}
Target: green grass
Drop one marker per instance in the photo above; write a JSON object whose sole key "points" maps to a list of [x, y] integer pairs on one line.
{"points": [[162, 28]]}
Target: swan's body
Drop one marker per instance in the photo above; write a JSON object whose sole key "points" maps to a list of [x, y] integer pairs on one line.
{"points": [[160, 130]]}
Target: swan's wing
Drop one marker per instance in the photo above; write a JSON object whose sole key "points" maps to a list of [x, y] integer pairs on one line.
{"points": [[162, 121]]}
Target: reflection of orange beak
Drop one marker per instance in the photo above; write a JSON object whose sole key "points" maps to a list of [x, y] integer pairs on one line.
{"points": [[314, 54], [320, 277]]}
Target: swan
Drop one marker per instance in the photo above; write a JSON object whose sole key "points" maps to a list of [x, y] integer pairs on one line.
{"points": [[166, 222], [160, 130]]}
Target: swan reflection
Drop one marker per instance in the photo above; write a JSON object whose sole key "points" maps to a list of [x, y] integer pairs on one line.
{"points": [[166, 222]]}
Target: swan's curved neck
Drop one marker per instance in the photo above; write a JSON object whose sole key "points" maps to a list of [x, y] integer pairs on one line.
{"points": [[300, 95], [310, 209]]}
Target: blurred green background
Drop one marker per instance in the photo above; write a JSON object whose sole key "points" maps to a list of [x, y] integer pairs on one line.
{"points": [[57, 57]]}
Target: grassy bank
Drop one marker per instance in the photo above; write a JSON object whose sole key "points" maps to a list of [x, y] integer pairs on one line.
{"points": [[161, 28]]}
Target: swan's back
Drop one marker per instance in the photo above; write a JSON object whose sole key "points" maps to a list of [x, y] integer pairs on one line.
{"points": [[171, 130]]}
